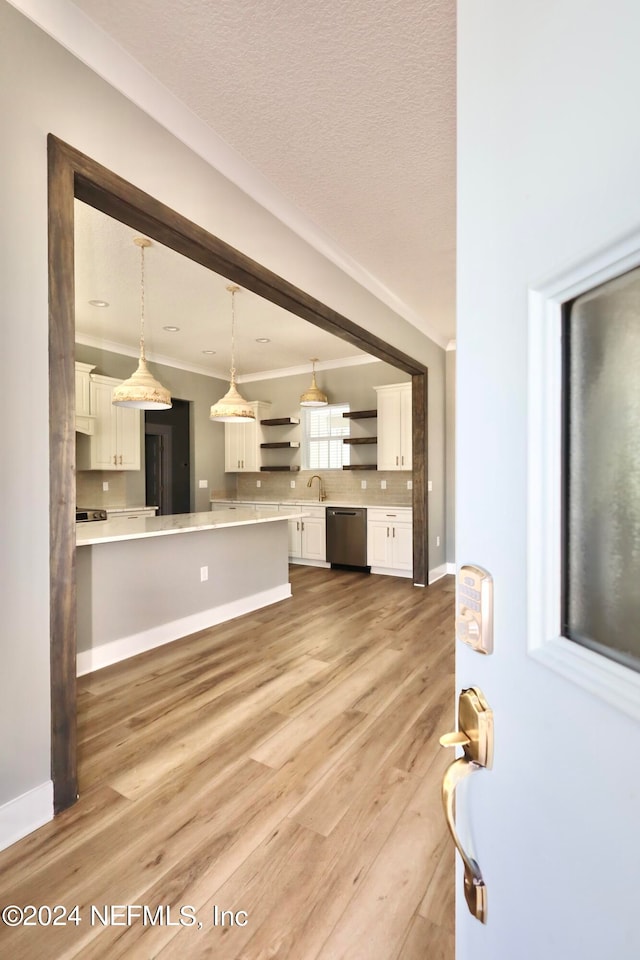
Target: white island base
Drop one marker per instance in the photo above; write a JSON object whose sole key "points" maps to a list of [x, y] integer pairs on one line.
{"points": [[139, 587]]}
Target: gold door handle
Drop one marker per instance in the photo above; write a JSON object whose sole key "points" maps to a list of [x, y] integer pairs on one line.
{"points": [[475, 736], [475, 891]]}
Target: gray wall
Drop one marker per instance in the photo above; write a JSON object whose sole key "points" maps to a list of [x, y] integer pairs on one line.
{"points": [[45, 89], [346, 384], [450, 454], [207, 438]]}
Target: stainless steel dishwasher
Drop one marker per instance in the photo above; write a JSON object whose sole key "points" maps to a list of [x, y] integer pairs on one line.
{"points": [[347, 536]]}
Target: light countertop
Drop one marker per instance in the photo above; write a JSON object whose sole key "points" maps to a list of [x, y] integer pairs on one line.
{"points": [[126, 528], [315, 503]]}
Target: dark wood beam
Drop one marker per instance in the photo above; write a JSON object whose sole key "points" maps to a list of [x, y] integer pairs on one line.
{"points": [[74, 175]]}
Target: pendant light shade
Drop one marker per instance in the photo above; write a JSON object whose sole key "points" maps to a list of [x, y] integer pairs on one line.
{"points": [[232, 408], [142, 390], [313, 397]]}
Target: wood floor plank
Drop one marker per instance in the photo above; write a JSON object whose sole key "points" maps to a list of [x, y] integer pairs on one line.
{"points": [[290, 738], [379, 915], [438, 903], [287, 761], [426, 941], [332, 879], [323, 808]]}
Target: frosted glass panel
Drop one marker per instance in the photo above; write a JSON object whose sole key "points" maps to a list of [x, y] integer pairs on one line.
{"points": [[601, 542]]}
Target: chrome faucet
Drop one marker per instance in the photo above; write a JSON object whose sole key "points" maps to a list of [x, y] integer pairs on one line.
{"points": [[321, 494]]}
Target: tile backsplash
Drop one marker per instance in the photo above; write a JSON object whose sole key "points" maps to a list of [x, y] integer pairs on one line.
{"points": [[341, 485], [89, 492]]}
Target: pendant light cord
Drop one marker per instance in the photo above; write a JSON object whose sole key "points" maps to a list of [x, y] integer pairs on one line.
{"points": [[142, 354], [233, 291]]}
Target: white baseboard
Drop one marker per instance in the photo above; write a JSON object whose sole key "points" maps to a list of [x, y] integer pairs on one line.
{"points": [[103, 656], [451, 569], [26, 813], [438, 572]]}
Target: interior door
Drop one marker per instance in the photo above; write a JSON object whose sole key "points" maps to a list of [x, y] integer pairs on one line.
{"points": [[547, 200]]}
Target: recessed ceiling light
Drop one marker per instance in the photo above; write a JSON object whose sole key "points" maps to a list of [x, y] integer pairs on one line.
{"points": [[98, 303], [171, 329], [208, 351], [263, 340]]}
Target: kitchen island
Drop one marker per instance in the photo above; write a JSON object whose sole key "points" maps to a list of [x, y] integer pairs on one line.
{"points": [[146, 581]]}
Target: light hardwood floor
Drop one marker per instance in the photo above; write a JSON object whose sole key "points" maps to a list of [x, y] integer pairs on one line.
{"points": [[285, 764]]}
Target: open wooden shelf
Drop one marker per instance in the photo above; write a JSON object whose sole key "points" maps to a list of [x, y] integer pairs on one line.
{"points": [[280, 445], [280, 422], [361, 414], [361, 466], [292, 468], [359, 440]]}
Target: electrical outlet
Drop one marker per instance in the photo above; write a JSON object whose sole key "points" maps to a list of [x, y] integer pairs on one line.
{"points": [[203, 484], [292, 484], [383, 484], [258, 483], [204, 574], [105, 485], [429, 486], [363, 484], [409, 484], [437, 541]]}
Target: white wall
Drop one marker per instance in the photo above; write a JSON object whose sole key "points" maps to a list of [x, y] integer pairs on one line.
{"points": [[548, 172], [44, 89]]}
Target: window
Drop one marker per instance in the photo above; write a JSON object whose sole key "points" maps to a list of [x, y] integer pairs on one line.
{"points": [[322, 431]]}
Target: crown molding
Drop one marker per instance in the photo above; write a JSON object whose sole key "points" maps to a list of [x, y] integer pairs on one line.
{"points": [[112, 346], [78, 34], [452, 345]]}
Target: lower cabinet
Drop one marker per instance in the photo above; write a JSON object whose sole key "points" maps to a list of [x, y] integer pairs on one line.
{"points": [[390, 541], [307, 535]]}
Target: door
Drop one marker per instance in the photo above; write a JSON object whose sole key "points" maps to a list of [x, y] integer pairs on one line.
{"points": [[547, 177], [157, 462]]}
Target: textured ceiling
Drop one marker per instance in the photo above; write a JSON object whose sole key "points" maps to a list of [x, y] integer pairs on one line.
{"points": [[347, 108]]}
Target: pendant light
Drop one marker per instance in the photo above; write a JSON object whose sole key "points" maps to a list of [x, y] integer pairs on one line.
{"points": [[142, 390], [313, 397], [232, 408]]}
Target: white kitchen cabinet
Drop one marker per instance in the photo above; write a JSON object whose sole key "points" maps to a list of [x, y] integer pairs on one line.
{"points": [[242, 442], [390, 541], [85, 421], [307, 535], [394, 427], [115, 443]]}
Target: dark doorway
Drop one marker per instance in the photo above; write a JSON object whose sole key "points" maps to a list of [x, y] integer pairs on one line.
{"points": [[167, 458]]}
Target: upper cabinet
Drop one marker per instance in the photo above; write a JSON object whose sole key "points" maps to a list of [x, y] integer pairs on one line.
{"points": [[115, 443], [85, 421], [242, 441], [394, 427]]}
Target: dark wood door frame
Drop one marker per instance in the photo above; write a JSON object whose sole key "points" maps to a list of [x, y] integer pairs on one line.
{"points": [[71, 175]]}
